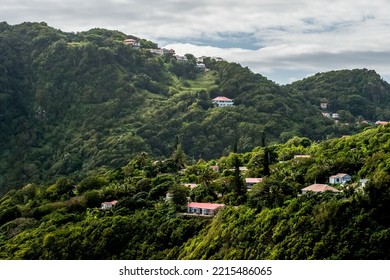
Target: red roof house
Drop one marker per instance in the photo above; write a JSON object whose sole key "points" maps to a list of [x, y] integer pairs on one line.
{"points": [[381, 123], [250, 182], [222, 101], [319, 188], [108, 205], [201, 208]]}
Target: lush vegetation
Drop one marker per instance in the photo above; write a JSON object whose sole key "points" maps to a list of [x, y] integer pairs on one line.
{"points": [[355, 95], [86, 119], [74, 102], [272, 220]]}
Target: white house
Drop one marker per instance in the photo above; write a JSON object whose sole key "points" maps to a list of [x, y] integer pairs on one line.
{"points": [[182, 58], [201, 67], [250, 182], [209, 209], [319, 188], [108, 205], [363, 182], [130, 42], [157, 51], [222, 101], [340, 178], [168, 196]]}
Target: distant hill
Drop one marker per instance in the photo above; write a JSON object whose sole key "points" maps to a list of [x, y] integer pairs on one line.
{"points": [[352, 93], [75, 102]]}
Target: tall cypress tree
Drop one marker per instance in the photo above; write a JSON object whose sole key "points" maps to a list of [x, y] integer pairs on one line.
{"points": [[178, 154], [239, 187], [266, 170]]}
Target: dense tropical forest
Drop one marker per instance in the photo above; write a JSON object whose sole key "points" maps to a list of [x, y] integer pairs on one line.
{"points": [[272, 220], [75, 102], [87, 119]]}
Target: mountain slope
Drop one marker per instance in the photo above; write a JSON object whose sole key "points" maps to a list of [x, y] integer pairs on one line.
{"points": [[358, 92], [72, 103]]}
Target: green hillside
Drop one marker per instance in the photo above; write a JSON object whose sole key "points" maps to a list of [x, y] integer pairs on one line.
{"points": [[358, 94], [271, 221], [74, 102]]}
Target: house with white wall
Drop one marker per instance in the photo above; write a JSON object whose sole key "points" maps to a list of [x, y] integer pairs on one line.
{"points": [[108, 205], [201, 208], [222, 101], [340, 178]]}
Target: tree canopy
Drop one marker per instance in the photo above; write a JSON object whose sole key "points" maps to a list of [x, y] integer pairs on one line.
{"points": [[86, 119]]}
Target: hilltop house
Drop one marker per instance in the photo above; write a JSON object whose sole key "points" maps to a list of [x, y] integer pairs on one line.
{"points": [[250, 182], [157, 51], [319, 188], [209, 209], [335, 116], [340, 178], [168, 196], [108, 205], [222, 101], [201, 67], [181, 58], [363, 182], [132, 42]]}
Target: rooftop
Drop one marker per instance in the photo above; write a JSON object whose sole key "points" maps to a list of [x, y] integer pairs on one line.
{"points": [[111, 202], [222, 98], [339, 175], [253, 180], [210, 206], [320, 188]]}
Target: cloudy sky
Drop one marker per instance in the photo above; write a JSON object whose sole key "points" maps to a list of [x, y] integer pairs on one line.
{"points": [[284, 40]]}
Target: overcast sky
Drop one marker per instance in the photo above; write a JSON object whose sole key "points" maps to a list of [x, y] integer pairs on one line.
{"points": [[284, 40]]}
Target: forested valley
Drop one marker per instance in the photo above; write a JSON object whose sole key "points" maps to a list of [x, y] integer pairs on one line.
{"points": [[87, 119]]}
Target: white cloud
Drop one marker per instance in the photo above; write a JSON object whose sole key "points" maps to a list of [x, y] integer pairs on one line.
{"points": [[276, 35]]}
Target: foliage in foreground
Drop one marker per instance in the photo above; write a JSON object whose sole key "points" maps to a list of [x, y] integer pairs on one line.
{"points": [[272, 221]]}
